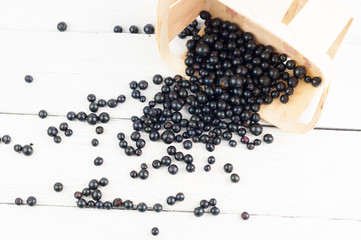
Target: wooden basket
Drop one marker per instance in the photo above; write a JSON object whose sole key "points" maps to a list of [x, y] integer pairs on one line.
{"points": [[310, 32]]}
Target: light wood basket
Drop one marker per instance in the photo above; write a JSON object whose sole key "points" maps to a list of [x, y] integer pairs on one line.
{"points": [[310, 32]]}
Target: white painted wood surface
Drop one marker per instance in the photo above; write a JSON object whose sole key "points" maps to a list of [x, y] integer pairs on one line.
{"points": [[300, 187]]}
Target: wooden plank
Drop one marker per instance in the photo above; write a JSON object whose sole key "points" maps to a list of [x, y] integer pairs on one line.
{"points": [[68, 223], [80, 16], [67, 67], [294, 8], [298, 175]]}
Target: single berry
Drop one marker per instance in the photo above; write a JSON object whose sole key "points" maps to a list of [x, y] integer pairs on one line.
{"points": [[98, 161], [99, 130], [245, 216], [215, 211], [57, 139], [118, 29], [31, 201], [133, 29], [148, 29], [228, 168], [6, 139], [95, 142], [234, 178], [62, 26], [155, 231], [180, 197], [198, 212], [18, 201], [103, 182], [58, 187], [142, 207], [171, 200], [27, 150], [173, 169], [42, 114], [211, 160], [28, 79], [157, 207]]}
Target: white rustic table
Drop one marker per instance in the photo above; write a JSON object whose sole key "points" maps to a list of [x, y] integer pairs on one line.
{"points": [[300, 187]]}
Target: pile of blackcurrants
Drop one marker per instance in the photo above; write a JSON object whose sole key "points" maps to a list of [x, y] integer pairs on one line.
{"points": [[230, 77]]}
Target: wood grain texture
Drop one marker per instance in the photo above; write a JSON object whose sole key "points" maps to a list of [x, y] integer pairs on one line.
{"points": [[81, 63], [298, 175], [69, 223]]}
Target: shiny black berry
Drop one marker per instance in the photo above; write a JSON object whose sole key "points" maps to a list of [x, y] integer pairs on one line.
{"points": [[268, 138], [6, 139], [316, 81], [117, 202], [31, 201], [171, 200], [215, 211], [94, 142], [173, 169], [118, 29], [148, 29], [143, 174], [18, 201], [57, 139], [157, 207], [68, 132], [157, 79], [211, 160], [18, 148], [300, 72], [81, 203], [63, 126], [62, 26], [180, 197], [28, 79], [93, 184], [52, 131], [58, 187], [198, 212], [234, 178], [245, 215], [27, 150], [103, 182], [42, 114], [98, 161], [228, 168], [133, 29], [142, 207]]}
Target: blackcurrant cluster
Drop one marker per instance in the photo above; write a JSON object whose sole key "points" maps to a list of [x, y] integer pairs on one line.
{"points": [[142, 174], [94, 106], [30, 201], [136, 94], [230, 77], [228, 168], [129, 150], [179, 197], [53, 132], [204, 204], [27, 150], [93, 192], [178, 156], [190, 30]]}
